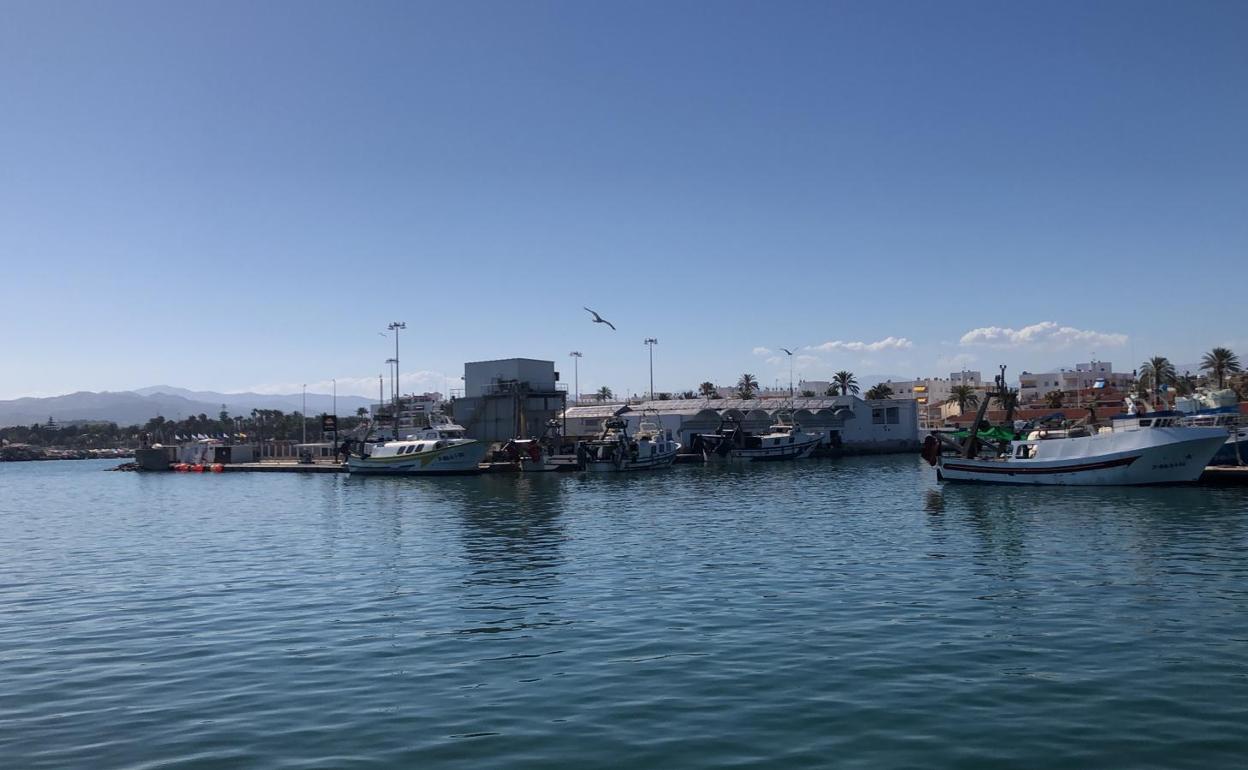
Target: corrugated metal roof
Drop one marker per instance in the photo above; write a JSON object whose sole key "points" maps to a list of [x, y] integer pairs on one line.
{"points": [[677, 406], [692, 406], [595, 410]]}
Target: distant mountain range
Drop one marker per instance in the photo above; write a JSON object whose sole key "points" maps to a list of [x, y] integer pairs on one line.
{"points": [[129, 407]]}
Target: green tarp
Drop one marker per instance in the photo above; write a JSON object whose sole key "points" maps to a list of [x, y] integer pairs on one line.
{"points": [[995, 433]]}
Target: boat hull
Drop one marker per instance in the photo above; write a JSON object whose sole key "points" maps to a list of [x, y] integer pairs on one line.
{"points": [[648, 464], [1154, 456], [459, 459], [774, 454], [1234, 451]]}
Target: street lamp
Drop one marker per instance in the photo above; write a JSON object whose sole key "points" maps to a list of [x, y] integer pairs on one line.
{"points": [[393, 364], [395, 326], [576, 373], [650, 342]]}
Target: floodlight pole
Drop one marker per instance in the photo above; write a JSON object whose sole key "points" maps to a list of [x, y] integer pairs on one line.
{"points": [[650, 342], [576, 373]]}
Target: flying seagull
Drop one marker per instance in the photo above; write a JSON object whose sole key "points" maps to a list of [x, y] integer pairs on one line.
{"points": [[786, 350], [600, 320]]}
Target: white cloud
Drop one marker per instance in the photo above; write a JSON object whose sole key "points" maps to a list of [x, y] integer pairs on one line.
{"points": [[888, 343], [1044, 335], [761, 351]]}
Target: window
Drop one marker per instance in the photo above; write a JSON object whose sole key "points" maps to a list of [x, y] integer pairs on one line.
{"points": [[894, 415], [1025, 451], [877, 416]]}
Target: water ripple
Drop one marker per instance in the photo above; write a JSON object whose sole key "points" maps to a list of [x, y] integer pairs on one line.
{"points": [[850, 613]]}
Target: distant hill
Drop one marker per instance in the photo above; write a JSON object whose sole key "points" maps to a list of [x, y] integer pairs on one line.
{"points": [[138, 406], [243, 403]]}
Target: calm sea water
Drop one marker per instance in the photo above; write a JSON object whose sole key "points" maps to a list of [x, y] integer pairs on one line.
{"points": [[844, 613]]}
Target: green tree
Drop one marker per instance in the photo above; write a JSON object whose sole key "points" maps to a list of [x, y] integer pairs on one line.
{"points": [[747, 386], [1220, 362], [846, 381], [880, 392], [708, 389], [1155, 372], [604, 394], [832, 390], [361, 412], [1007, 399], [808, 394], [1185, 384], [964, 396], [1053, 399]]}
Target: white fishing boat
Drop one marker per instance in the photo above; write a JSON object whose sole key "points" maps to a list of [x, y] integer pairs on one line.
{"points": [[614, 450], [1218, 408], [1135, 450], [785, 440], [439, 448]]}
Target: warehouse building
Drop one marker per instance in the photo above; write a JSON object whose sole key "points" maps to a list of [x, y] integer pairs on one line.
{"points": [[849, 423]]}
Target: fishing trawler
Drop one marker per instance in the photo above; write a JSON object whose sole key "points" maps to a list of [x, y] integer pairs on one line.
{"points": [[439, 448], [1218, 408], [784, 440], [1136, 449], [615, 450]]}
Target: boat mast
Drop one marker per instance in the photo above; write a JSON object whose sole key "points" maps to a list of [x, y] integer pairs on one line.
{"points": [[968, 446]]}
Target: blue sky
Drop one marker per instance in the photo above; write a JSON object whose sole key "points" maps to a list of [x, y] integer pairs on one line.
{"points": [[240, 195]]}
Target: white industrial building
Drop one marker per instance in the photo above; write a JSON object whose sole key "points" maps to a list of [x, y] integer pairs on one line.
{"points": [[847, 422], [509, 398]]}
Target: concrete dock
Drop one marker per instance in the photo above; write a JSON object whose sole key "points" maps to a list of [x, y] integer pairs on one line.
{"points": [[281, 467], [1214, 475]]}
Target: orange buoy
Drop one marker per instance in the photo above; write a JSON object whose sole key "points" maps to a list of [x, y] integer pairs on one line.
{"points": [[197, 468], [218, 468]]}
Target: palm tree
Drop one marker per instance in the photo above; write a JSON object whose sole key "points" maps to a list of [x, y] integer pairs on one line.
{"points": [[1007, 399], [1185, 385], [846, 382], [1220, 362], [746, 386], [880, 392], [604, 394], [808, 394], [964, 396], [1053, 399], [1155, 372], [708, 390], [833, 390], [361, 412]]}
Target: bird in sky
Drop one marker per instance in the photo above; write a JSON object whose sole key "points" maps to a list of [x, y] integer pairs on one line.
{"points": [[600, 320], [786, 350]]}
